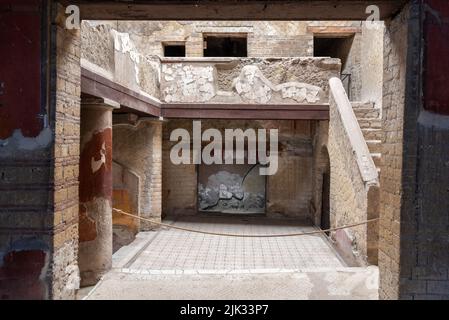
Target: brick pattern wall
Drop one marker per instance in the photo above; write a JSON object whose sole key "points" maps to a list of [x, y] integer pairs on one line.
{"points": [[64, 270], [422, 246], [424, 232], [179, 182], [142, 156], [289, 191], [280, 46], [348, 193], [43, 225], [395, 53]]}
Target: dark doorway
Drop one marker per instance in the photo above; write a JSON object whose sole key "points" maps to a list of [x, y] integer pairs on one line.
{"points": [[174, 50], [225, 46], [335, 47], [325, 203]]}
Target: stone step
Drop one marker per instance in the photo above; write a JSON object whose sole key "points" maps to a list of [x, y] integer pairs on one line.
{"points": [[374, 146], [372, 123], [372, 134], [360, 104], [376, 158], [363, 113]]}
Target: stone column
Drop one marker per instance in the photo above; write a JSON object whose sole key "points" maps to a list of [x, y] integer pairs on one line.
{"points": [[95, 213]]}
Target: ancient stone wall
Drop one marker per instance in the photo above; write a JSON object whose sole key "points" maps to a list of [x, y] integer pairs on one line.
{"points": [[395, 62], [116, 56], [250, 80], [265, 38], [64, 269], [137, 43], [414, 212], [138, 148], [288, 192], [371, 67], [179, 182], [424, 231], [26, 167], [39, 231], [353, 180]]}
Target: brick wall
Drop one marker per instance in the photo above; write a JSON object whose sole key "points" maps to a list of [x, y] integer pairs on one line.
{"points": [[349, 200], [139, 148], [427, 264], [415, 203], [66, 159], [395, 55], [354, 190], [289, 191], [39, 237]]}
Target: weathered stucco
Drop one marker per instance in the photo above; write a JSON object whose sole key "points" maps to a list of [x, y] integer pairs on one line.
{"points": [[288, 192], [249, 80], [354, 184]]}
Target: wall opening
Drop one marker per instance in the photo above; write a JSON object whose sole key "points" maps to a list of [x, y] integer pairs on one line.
{"points": [[325, 205], [174, 50], [337, 46], [226, 45], [232, 189]]}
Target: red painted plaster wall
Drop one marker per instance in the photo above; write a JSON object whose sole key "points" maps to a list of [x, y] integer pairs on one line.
{"points": [[436, 62], [20, 67]]}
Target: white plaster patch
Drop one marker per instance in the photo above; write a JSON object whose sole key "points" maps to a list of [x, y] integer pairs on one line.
{"points": [[124, 44], [432, 120], [188, 83], [254, 87], [96, 164], [18, 141]]}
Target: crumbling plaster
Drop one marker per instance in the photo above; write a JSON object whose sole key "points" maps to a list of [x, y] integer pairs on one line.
{"points": [[248, 80]]}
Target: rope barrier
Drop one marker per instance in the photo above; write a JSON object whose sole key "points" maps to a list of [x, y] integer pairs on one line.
{"points": [[246, 235]]}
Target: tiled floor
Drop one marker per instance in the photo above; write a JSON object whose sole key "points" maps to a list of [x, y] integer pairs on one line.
{"points": [[171, 249], [173, 264]]}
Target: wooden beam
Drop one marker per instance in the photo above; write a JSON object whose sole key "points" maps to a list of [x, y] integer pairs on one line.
{"points": [[246, 112], [234, 10], [99, 86], [333, 31]]}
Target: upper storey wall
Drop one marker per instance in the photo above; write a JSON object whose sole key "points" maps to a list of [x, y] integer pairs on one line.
{"points": [[129, 54], [265, 38]]}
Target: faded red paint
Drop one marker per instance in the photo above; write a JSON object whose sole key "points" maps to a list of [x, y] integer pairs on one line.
{"points": [[20, 275], [121, 199], [20, 68], [87, 226], [436, 60], [96, 184]]}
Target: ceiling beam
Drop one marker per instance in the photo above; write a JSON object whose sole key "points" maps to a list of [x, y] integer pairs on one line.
{"points": [[234, 10]]}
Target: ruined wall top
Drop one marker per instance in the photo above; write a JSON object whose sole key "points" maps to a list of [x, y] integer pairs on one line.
{"points": [[280, 67]]}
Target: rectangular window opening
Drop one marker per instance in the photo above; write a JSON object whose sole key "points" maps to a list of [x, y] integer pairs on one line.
{"points": [[174, 50], [226, 45]]}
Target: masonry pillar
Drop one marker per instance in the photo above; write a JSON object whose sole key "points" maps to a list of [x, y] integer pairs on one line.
{"points": [[95, 211]]}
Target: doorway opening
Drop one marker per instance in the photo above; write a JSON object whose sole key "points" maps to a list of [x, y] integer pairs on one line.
{"points": [[174, 50], [336, 46], [235, 45]]}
